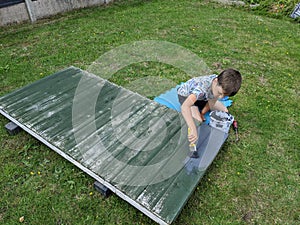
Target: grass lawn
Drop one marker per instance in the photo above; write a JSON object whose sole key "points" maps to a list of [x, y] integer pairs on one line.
{"points": [[254, 181]]}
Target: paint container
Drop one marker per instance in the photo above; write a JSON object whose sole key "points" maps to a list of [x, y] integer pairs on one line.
{"points": [[296, 12], [221, 120]]}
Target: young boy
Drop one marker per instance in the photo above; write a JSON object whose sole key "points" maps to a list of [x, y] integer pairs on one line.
{"points": [[200, 94]]}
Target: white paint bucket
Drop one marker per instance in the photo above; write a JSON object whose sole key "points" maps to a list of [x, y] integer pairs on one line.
{"points": [[221, 120]]}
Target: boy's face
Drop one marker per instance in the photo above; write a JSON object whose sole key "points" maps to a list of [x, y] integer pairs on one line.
{"points": [[217, 90]]}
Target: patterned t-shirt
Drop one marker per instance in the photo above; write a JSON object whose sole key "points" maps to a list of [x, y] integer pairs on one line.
{"points": [[199, 86]]}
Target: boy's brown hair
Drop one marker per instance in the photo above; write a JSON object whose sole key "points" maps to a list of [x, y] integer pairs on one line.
{"points": [[230, 80]]}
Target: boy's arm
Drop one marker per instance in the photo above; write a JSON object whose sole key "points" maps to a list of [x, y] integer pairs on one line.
{"points": [[187, 115]]}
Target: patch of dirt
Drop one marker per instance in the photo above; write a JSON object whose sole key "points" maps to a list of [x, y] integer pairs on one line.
{"points": [[248, 217], [217, 66], [230, 2], [263, 80]]}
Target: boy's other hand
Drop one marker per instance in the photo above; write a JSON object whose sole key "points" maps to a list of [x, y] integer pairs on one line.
{"points": [[202, 117]]}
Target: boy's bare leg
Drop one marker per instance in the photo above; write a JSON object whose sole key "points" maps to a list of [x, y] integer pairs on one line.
{"points": [[196, 113], [219, 106]]}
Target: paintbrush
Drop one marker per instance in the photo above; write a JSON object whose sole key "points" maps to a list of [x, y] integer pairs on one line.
{"points": [[193, 149]]}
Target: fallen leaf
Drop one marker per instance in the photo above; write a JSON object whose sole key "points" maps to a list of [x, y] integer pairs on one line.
{"points": [[21, 219]]}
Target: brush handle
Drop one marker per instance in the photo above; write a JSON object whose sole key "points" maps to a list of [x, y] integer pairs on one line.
{"points": [[235, 128], [192, 145]]}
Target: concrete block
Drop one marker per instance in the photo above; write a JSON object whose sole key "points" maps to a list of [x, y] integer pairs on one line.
{"points": [[33, 10], [13, 14]]}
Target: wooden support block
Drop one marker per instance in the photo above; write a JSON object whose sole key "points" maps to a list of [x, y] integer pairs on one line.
{"points": [[12, 128], [102, 189]]}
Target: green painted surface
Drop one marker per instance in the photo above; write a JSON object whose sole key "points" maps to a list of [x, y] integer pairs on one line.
{"points": [[136, 145]]}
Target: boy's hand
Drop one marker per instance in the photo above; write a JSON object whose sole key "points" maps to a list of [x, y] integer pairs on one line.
{"points": [[192, 135]]}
